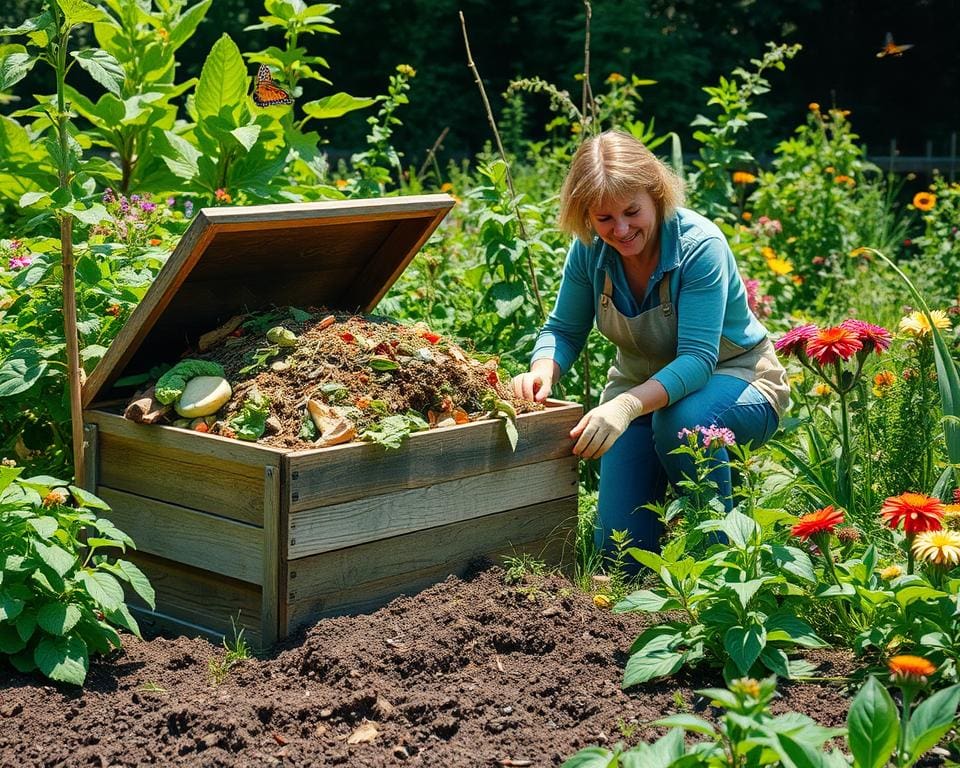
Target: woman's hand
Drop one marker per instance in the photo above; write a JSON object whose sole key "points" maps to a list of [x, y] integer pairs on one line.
{"points": [[600, 428], [537, 384]]}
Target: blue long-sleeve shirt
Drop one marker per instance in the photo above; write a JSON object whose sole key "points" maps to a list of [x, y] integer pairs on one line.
{"points": [[705, 286]]}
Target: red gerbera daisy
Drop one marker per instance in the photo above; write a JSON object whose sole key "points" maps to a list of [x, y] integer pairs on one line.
{"points": [[874, 338], [910, 669], [917, 511], [832, 344], [794, 340], [820, 521]]}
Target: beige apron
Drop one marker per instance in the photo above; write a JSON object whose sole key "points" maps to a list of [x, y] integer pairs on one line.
{"points": [[648, 342]]}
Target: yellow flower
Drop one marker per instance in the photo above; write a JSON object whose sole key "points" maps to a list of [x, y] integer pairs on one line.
{"points": [[830, 169], [821, 389], [797, 279], [406, 69], [891, 572], [746, 686], [768, 252], [924, 201], [602, 601], [576, 128], [916, 323], [813, 106], [616, 77], [951, 515], [861, 251], [446, 187], [780, 266], [939, 547], [743, 177]]}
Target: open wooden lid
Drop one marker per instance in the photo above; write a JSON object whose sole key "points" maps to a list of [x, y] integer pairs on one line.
{"points": [[339, 254]]}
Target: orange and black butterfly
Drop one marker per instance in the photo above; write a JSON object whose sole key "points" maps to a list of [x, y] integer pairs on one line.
{"points": [[267, 93], [890, 48]]}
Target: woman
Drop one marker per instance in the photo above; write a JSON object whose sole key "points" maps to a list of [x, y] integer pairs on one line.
{"points": [[662, 284]]}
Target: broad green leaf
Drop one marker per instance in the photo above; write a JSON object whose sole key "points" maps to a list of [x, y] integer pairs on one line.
{"points": [[123, 618], [102, 67], [138, 581], [103, 588], [786, 626], [507, 298], [29, 198], [57, 558], [10, 640], [14, 67], [58, 618], [911, 594], [335, 105], [739, 528], [223, 81], [745, 589], [930, 721], [20, 372], [794, 561], [10, 606], [44, 526], [187, 24], [92, 214], [86, 499], [643, 667], [872, 725], [688, 723], [88, 270], [26, 623], [7, 476], [183, 159], [645, 600], [80, 12], [592, 757], [795, 754], [744, 645], [664, 752], [775, 660], [30, 26], [63, 658], [246, 135]]}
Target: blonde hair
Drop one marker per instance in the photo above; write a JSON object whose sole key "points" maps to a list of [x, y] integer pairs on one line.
{"points": [[614, 166]]}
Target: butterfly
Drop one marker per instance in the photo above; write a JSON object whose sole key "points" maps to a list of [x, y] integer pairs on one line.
{"points": [[890, 48], [267, 93]]}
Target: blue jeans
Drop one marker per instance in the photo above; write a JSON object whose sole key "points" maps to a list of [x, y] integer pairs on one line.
{"points": [[636, 469]]}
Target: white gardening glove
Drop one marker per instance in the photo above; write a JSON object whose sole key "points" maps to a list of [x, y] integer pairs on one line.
{"points": [[600, 428]]}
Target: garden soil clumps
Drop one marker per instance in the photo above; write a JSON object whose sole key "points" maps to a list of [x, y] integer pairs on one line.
{"points": [[471, 672]]}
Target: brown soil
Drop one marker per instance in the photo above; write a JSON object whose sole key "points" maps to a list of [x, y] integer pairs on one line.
{"points": [[468, 673], [361, 367]]}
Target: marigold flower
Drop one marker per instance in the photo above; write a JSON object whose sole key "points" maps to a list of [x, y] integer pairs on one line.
{"points": [[446, 187], [746, 215], [55, 498], [883, 381], [743, 177], [909, 669], [794, 341], [844, 179], [891, 572], [813, 106], [821, 389], [341, 183], [223, 196], [820, 521], [833, 344], [780, 266], [924, 201], [746, 686], [615, 77], [797, 279], [874, 338], [939, 547], [917, 511], [916, 323]]}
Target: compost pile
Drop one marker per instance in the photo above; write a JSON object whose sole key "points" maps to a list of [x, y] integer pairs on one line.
{"points": [[305, 379]]}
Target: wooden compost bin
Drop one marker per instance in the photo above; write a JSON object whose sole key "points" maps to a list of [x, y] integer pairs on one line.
{"points": [[226, 529]]}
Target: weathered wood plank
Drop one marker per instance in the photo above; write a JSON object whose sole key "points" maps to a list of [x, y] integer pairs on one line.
{"points": [[200, 598], [270, 550], [379, 517], [333, 475], [92, 457], [190, 537], [362, 578], [225, 489]]}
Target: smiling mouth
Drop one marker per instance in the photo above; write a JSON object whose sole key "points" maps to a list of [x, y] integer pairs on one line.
{"points": [[630, 239]]}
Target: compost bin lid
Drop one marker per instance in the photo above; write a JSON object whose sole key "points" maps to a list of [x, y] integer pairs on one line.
{"points": [[341, 254]]}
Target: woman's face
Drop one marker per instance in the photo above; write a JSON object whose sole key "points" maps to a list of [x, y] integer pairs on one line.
{"points": [[630, 226]]}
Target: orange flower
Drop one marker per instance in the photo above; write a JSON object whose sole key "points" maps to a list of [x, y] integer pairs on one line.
{"points": [[885, 379], [223, 196], [813, 106], [820, 521], [155, 241], [743, 177], [833, 344], [910, 669], [844, 179], [56, 497], [924, 201], [341, 183], [917, 511], [747, 215]]}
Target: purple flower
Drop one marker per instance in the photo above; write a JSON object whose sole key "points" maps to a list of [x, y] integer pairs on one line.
{"points": [[147, 207], [873, 337], [188, 209], [19, 262], [171, 201], [684, 433], [108, 196]]}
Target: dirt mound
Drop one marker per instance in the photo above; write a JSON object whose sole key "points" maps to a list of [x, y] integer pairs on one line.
{"points": [[467, 673]]}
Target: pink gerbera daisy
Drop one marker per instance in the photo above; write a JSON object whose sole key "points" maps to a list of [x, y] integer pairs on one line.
{"points": [[874, 338], [832, 344], [795, 340]]}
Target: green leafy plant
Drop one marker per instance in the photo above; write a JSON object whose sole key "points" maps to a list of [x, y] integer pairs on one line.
{"points": [[61, 595], [236, 649], [735, 604]]}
